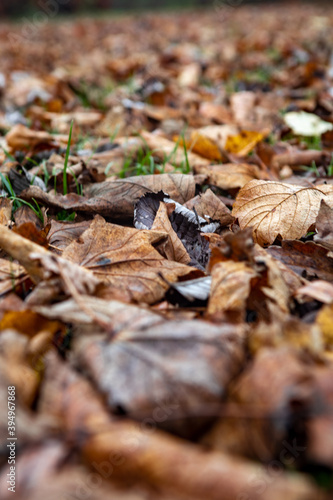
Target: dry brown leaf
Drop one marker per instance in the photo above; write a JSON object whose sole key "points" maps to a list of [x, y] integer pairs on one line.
{"points": [[209, 205], [324, 226], [261, 400], [230, 289], [21, 137], [120, 315], [230, 175], [173, 248], [275, 208], [24, 214], [216, 112], [15, 366], [11, 275], [242, 107], [319, 290], [189, 75], [144, 367], [26, 322], [99, 437], [163, 148], [31, 232], [320, 428], [125, 258], [5, 211], [306, 259], [116, 199], [61, 234]]}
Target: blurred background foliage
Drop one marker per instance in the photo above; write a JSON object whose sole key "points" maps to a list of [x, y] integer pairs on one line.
{"points": [[19, 8]]}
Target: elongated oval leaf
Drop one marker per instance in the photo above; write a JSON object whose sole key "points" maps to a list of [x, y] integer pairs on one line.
{"points": [[274, 208]]}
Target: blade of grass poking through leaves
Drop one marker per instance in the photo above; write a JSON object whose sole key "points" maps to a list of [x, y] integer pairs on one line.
{"points": [[8, 155], [187, 165], [330, 168], [66, 159], [7, 184]]}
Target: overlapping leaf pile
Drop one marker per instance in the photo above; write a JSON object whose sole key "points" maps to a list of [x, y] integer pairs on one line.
{"points": [[166, 276]]}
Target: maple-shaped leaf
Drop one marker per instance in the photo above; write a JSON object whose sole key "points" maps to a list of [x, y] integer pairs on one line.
{"points": [[276, 208]]}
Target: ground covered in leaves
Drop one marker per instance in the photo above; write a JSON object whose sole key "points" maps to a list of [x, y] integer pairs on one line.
{"points": [[166, 265]]}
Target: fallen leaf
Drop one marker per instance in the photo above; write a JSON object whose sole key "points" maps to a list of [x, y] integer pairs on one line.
{"points": [[143, 367], [324, 226], [116, 199], [11, 276], [185, 223], [15, 366], [243, 143], [307, 124], [203, 146], [163, 148], [275, 208], [31, 232], [197, 289], [230, 175], [262, 399], [242, 106], [21, 137], [138, 451], [173, 249], [319, 290], [209, 205], [125, 258], [218, 133], [308, 259], [230, 288], [325, 322], [61, 234], [27, 322], [5, 211]]}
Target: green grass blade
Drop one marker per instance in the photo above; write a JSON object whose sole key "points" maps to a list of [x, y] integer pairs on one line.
{"points": [[65, 189]]}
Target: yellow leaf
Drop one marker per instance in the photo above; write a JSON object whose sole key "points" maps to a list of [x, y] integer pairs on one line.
{"points": [[325, 323], [242, 143], [202, 145]]}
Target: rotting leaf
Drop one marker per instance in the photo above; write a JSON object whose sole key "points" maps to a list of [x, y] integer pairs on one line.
{"points": [[308, 259], [142, 368]]}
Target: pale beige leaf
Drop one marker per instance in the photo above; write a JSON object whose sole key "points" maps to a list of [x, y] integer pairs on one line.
{"points": [[163, 148], [229, 175], [230, 287], [274, 208]]}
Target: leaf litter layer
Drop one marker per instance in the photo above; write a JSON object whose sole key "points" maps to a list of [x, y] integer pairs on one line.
{"points": [[166, 266]]}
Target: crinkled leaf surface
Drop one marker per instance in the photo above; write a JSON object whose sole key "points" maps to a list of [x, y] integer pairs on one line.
{"points": [[125, 258], [276, 208]]}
